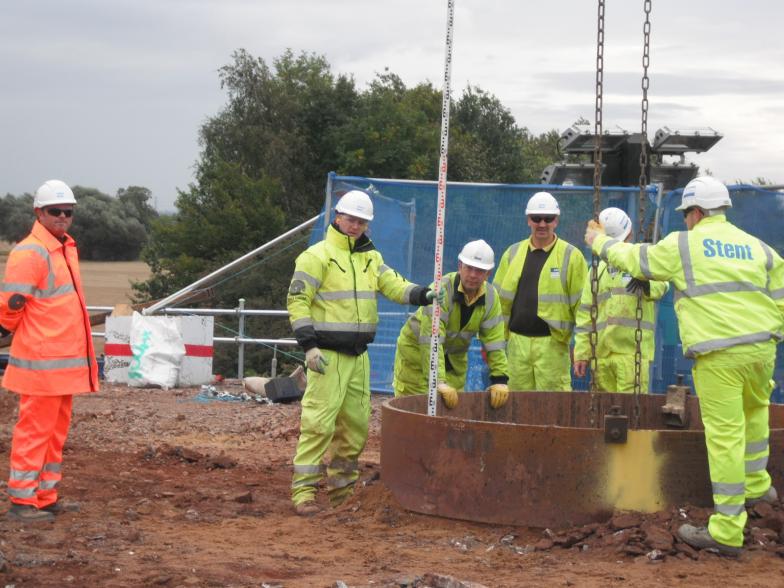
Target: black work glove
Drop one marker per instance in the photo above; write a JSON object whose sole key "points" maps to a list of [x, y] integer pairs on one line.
{"points": [[636, 286]]}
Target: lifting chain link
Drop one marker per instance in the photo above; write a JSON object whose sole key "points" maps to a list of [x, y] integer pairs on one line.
{"points": [[646, 59], [593, 336]]}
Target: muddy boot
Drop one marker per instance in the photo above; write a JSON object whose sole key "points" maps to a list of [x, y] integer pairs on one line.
{"points": [[307, 509], [60, 507], [771, 497], [700, 538], [28, 514]]}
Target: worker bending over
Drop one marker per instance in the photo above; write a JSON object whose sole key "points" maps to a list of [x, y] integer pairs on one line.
{"points": [[332, 308], [730, 307], [471, 308], [540, 281], [616, 323]]}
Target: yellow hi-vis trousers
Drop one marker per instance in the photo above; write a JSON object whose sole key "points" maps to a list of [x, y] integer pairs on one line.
{"points": [[538, 363], [335, 414], [615, 373], [734, 391]]}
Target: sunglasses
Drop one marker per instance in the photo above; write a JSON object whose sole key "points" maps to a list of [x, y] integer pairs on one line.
{"points": [[59, 211], [537, 219]]}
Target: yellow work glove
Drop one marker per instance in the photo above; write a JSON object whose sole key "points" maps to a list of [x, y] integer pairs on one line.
{"points": [[448, 393], [315, 360], [593, 229], [499, 394]]}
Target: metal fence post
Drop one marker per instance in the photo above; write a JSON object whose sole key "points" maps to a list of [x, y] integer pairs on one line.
{"points": [[274, 368], [241, 335]]}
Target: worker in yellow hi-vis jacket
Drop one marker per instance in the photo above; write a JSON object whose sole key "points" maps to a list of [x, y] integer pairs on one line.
{"points": [[471, 308], [332, 309], [730, 308], [616, 323], [540, 281]]}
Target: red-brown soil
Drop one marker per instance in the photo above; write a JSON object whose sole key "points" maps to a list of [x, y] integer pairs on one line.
{"points": [[175, 492]]}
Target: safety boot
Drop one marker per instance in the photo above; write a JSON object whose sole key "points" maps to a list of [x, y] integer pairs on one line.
{"points": [[700, 538], [771, 497], [307, 508], [29, 514]]}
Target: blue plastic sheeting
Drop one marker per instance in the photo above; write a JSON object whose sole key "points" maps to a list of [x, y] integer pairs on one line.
{"points": [[404, 232]]}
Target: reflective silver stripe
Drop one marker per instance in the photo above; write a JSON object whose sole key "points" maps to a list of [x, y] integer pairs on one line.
{"points": [[52, 292], [618, 292], [24, 475], [715, 344], [347, 295], [337, 482], [721, 287], [731, 510], [348, 327], [565, 325], [383, 268], [347, 465], [729, 488], [490, 323], [428, 311], [513, 251], [53, 467], [465, 335], [303, 322], [505, 294], [308, 468], [47, 258], [683, 248], [565, 269], [48, 364], [20, 288], [776, 294], [489, 300], [561, 298], [584, 307], [756, 465], [426, 340], [496, 346], [768, 255], [414, 325], [756, 446], [407, 292], [21, 492], [645, 266], [606, 246], [47, 484], [300, 275]]}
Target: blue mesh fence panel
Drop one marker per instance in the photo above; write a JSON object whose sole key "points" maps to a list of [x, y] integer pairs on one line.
{"points": [[404, 232]]}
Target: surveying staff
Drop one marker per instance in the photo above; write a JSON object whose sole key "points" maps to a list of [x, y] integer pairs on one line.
{"points": [[332, 308], [540, 280], [730, 306], [616, 323], [51, 357], [471, 307]]}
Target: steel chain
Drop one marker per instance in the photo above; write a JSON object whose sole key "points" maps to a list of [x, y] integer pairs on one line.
{"points": [[593, 336], [645, 84]]}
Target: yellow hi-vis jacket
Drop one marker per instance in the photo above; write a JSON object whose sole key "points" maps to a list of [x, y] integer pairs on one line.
{"points": [[729, 285], [42, 303], [412, 362], [332, 295], [560, 285], [616, 323]]}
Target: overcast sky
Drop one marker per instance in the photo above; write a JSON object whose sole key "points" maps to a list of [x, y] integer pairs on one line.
{"points": [[109, 93]]}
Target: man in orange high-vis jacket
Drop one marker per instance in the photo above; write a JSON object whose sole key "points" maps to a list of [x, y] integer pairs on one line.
{"points": [[52, 356]]}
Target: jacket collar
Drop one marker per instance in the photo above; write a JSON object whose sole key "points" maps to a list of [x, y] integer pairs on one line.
{"points": [[343, 241], [51, 242]]}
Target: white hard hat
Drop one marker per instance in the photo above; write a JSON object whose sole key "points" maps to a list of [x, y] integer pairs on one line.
{"points": [[356, 203], [705, 192], [542, 203], [616, 223], [53, 192], [478, 254]]}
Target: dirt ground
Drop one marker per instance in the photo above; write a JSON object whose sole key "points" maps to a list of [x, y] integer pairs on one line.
{"points": [[172, 491]]}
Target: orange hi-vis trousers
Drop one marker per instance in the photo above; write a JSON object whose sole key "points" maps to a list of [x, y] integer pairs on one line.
{"points": [[37, 449]]}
